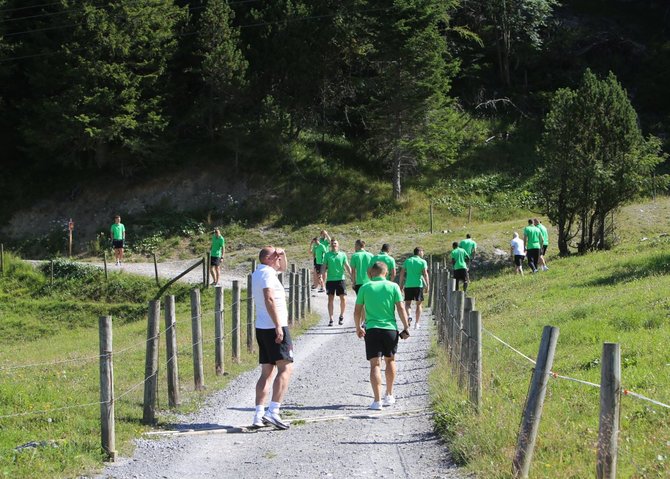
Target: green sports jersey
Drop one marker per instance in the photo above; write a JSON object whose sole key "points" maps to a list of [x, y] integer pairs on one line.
{"points": [[379, 297], [335, 263], [360, 261], [218, 243], [118, 231], [469, 245], [545, 234], [459, 255], [325, 243], [414, 268], [386, 259], [533, 237], [319, 251]]}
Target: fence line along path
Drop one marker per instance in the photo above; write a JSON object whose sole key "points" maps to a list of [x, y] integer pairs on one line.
{"points": [[333, 434]]}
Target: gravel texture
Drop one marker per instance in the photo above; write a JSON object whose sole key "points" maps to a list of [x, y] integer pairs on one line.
{"points": [[333, 433]]}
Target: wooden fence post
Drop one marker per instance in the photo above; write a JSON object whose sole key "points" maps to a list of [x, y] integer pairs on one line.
{"points": [[456, 322], [104, 263], [309, 290], [236, 333], [530, 422], [431, 217], [253, 265], [156, 270], [290, 299], [251, 329], [196, 340], [303, 292], [107, 431], [475, 329], [151, 364], [296, 297], [463, 357], [219, 345], [2, 258], [171, 348], [610, 396], [51, 269], [205, 278]]}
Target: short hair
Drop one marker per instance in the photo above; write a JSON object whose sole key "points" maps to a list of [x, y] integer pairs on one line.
{"points": [[315, 239], [418, 250], [468, 236], [378, 268], [265, 252], [360, 243], [117, 216], [530, 222], [454, 244], [386, 247]]}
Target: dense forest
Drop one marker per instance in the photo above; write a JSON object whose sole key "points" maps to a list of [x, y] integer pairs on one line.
{"points": [[405, 90]]}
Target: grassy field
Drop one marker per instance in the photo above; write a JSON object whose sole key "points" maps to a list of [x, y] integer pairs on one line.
{"points": [[55, 337], [622, 296]]}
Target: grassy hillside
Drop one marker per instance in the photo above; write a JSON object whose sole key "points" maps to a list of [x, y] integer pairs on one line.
{"points": [[612, 296]]}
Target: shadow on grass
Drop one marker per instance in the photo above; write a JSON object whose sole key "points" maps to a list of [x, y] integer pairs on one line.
{"points": [[658, 264]]}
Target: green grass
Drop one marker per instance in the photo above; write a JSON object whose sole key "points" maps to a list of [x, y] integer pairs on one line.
{"points": [[43, 327], [612, 296]]}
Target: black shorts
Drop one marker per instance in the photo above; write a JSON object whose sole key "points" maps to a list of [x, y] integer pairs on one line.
{"points": [[381, 342], [117, 244], [270, 352], [318, 268], [518, 259], [357, 287], [215, 260], [413, 294], [336, 287], [462, 274], [544, 249]]}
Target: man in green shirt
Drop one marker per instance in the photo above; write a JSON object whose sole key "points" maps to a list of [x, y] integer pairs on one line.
{"points": [[360, 262], [318, 250], [336, 263], [380, 299], [118, 233], [217, 251], [469, 245], [385, 257], [545, 243], [414, 282], [459, 258], [532, 242]]}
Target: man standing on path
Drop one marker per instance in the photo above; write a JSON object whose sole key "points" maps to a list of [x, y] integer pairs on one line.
{"points": [[118, 233], [380, 299], [360, 262], [545, 243], [324, 240], [459, 258], [470, 247], [318, 250], [216, 256], [532, 242], [385, 257], [336, 263], [517, 251], [414, 282], [275, 348]]}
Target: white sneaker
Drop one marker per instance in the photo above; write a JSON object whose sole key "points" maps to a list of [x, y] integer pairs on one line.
{"points": [[376, 406], [545, 268], [274, 419], [388, 400], [416, 326], [258, 421]]}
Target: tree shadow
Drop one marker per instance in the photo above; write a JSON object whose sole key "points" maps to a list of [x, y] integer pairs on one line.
{"points": [[658, 264]]}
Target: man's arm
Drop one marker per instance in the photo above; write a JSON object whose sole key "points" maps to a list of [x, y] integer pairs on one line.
{"points": [[358, 313], [353, 276], [348, 269], [400, 308], [401, 282], [426, 283], [272, 311]]}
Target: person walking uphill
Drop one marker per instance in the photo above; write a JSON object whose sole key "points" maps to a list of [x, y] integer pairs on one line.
{"points": [[380, 299], [318, 250], [545, 243], [275, 348], [118, 233], [216, 256], [414, 282], [385, 257], [336, 263], [532, 241], [360, 262], [459, 258]]}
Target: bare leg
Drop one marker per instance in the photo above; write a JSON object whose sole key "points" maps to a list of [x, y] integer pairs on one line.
{"points": [[331, 297], [419, 310], [280, 385], [376, 378], [343, 305], [263, 384], [390, 375], [408, 306]]}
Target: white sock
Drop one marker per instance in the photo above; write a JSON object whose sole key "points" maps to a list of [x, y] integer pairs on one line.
{"points": [[274, 407], [260, 409]]}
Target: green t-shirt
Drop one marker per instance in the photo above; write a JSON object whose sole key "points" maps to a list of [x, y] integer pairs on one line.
{"points": [[469, 245], [533, 237], [379, 297], [388, 260], [325, 243], [217, 246], [360, 260], [335, 263], [319, 251], [459, 256], [545, 234], [117, 231], [414, 268]]}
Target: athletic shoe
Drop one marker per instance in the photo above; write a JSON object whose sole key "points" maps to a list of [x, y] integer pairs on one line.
{"points": [[330, 323], [321, 290], [545, 268], [375, 406], [388, 400], [340, 321], [274, 419], [258, 421], [416, 326], [313, 287]]}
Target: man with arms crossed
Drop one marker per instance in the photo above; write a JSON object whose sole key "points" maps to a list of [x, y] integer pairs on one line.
{"points": [[336, 263], [275, 348], [414, 282], [385, 257], [380, 299], [118, 232]]}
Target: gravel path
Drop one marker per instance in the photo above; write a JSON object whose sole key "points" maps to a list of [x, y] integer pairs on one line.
{"points": [[337, 437]]}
